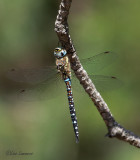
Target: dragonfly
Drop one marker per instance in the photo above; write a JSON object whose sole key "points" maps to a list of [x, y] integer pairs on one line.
{"points": [[63, 68]]}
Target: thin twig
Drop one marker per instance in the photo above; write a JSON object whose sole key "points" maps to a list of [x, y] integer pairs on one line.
{"points": [[62, 30]]}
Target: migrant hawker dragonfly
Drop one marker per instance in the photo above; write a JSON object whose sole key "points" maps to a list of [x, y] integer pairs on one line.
{"points": [[50, 73]]}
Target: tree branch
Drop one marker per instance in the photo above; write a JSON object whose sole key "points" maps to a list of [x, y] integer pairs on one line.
{"points": [[62, 30]]}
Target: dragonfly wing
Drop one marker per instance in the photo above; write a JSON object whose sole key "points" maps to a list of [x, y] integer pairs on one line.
{"points": [[47, 90], [105, 83], [32, 76], [99, 61], [102, 83], [36, 84]]}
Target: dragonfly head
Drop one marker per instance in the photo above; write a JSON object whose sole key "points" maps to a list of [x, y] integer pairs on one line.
{"points": [[59, 52]]}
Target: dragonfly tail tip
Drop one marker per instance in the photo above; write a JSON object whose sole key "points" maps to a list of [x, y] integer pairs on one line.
{"points": [[77, 140]]}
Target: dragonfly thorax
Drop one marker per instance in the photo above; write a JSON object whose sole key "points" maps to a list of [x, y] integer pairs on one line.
{"points": [[62, 62]]}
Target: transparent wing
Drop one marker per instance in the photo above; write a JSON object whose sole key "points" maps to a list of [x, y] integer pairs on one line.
{"points": [[32, 76], [102, 83], [46, 90], [99, 61], [106, 83], [48, 76], [37, 83], [37, 75], [43, 91]]}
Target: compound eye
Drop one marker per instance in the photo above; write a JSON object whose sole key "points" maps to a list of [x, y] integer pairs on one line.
{"points": [[62, 54]]}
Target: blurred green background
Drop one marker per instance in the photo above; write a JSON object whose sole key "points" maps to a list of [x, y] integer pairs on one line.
{"points": [[27, 39]]}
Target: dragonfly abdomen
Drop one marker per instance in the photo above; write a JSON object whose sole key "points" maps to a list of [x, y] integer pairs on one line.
{"points": [[72, 108]]}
